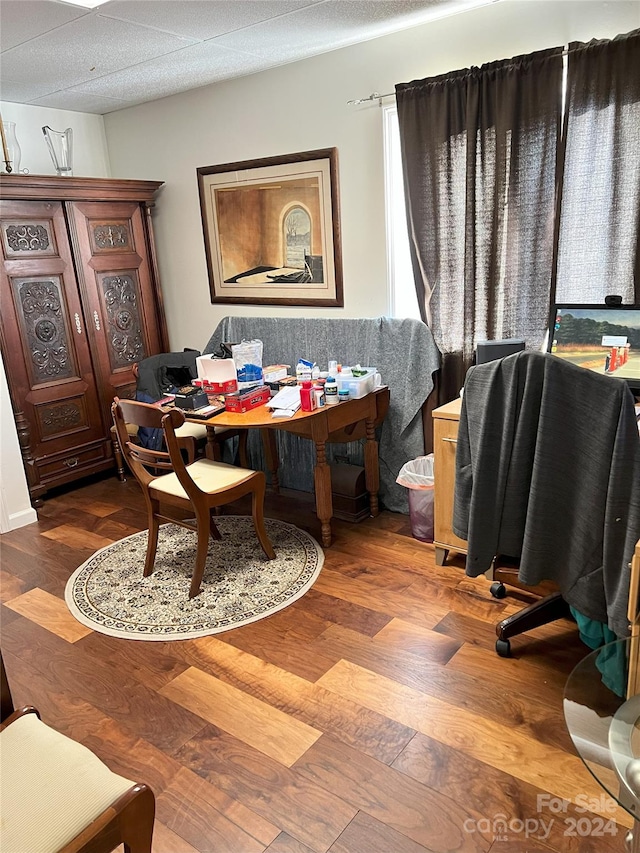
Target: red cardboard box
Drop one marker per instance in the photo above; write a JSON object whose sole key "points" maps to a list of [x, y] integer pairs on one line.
{"points": [[227, 387], [244, 401]]}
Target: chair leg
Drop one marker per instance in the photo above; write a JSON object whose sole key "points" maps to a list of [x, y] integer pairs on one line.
{"points": [[257, 511], [213, 530], [152, 544], [242, 448], [137, 823], [203, 523], [547, 609], [117, 455]]}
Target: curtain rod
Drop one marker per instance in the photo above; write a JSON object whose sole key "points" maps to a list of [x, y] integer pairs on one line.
{"points": [[376, 96]]}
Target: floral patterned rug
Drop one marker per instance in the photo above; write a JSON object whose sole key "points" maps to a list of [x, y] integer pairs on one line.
{"points": [[109, 594]]}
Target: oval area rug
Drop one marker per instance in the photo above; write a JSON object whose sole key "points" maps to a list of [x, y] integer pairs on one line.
{"points": [[109, 594]]}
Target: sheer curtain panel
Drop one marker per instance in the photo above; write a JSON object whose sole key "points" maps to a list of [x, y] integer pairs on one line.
{"points": [[600, 207], [479, 159]]}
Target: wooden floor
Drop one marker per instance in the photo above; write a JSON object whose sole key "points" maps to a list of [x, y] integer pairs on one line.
{"points": [[371, 716]]}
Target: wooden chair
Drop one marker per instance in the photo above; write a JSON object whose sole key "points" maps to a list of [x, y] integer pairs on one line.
{"points": [[193, 438], [197, 488], [58, 797]]}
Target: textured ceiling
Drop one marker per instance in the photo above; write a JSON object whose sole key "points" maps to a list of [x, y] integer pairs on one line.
{"points": [[126, 52]]}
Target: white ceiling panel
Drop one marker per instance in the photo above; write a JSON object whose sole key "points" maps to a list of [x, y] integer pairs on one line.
{"points": [[22, 20], [126, 52], [81, 102], [164, 76], [328, 26], [65, 56], [201, 19]]}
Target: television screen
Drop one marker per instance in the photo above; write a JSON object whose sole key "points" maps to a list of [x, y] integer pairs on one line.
{"points": [[602, 338]]}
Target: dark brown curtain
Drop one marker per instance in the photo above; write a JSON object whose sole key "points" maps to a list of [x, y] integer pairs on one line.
{"points": [[599, 222], [479, 158]]}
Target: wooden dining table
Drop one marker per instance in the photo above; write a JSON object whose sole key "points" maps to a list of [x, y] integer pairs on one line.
{"points": [[347, 421]]}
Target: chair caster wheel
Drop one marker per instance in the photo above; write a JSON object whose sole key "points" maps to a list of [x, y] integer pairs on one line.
{"points": [[503, 648], [498, 590]]}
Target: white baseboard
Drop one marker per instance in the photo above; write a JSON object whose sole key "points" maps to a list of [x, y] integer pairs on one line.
{"points": [[17, 519]]}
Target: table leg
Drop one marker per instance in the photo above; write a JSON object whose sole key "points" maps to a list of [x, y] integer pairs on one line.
{"points": [[212, 450], [322, 481], [271, 457], [633, 839], [371, 469]]}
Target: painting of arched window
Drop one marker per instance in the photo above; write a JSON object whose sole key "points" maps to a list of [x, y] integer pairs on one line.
{"points": [[297, 237]]}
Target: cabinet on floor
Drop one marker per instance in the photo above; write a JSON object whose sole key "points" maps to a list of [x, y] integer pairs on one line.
{"points": [[80, 305]]}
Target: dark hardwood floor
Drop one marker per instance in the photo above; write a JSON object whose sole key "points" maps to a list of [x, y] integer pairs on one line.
{"points": [[419, 738]]}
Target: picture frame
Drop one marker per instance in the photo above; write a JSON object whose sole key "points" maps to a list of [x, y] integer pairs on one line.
{"points": [[272, 230]]}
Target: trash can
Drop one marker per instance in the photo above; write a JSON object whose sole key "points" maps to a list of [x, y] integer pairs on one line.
{"points": [[417, 477]]}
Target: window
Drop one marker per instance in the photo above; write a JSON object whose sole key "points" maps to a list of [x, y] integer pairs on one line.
{"points": [[402, 298], [297, 237]]}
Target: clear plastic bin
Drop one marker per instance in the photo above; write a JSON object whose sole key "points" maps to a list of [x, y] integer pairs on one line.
{"points": [[359, 386]]}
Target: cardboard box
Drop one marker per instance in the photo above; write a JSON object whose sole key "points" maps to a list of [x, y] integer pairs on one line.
{"points": [[194, 399], [250, 398], [273, 372]]}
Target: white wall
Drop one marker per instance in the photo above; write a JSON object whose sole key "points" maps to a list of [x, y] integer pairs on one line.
{"points": [[297, 107], [90, 155]]}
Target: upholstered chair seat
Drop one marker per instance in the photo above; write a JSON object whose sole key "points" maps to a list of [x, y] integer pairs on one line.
{"points": [[53, 788]]}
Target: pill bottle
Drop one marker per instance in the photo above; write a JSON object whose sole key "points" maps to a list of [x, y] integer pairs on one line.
{"points": [[307, 398], [343, 395], [318, 393], [331, 391]]}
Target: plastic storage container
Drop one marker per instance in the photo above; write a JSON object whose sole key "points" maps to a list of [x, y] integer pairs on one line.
{"points": [[417, 477], [360, 386]]}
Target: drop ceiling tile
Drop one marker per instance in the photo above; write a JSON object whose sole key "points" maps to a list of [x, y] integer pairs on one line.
{"points": [[331, 25], [190, 68], [201, 19], [80, 102], [20, 93], [21, 20], [89, 42]]}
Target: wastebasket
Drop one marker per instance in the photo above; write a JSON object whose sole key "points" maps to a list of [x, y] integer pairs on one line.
{"points": [[417, 477]]}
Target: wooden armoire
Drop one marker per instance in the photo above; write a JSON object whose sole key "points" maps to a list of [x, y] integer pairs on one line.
{"points": [[80, 304]]}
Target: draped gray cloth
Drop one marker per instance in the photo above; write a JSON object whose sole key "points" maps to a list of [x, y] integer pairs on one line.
{"points": [[548, 471], [404, 353]]}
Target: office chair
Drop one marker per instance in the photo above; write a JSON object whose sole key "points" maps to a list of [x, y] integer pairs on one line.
{"points": [[58, 797], [548, 485], [197, 487]]}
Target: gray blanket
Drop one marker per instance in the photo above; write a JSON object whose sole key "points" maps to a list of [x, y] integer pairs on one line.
{"points": [[548, 471], [404, 353]]}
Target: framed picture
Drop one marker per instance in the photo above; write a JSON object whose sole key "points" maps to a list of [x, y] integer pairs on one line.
{"points": [[272, 230]]}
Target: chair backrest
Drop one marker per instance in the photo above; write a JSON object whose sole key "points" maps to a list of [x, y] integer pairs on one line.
{"points": [[146, 463]]}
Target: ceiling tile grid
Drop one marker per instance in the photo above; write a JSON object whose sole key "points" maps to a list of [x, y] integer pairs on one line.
{"points": [[126, 52]]}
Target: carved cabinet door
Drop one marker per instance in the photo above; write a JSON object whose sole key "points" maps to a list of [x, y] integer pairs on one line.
{"points": [[45, 347], [119, 293]]}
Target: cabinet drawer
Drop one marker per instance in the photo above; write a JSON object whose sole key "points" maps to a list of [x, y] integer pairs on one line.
{"points": [[64, 467]]}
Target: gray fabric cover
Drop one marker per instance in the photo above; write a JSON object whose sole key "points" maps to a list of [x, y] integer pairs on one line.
{"points": [[548, 470], [402, 350]]}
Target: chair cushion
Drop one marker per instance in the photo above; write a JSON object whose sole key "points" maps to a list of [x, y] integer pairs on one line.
{"points": [[51, 787], [209, 477], [197, 431], [132, 430]]}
